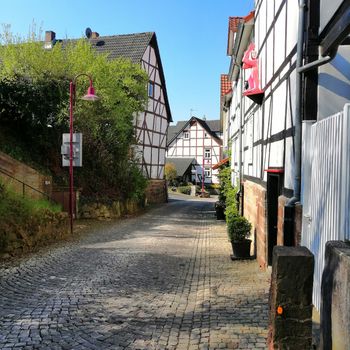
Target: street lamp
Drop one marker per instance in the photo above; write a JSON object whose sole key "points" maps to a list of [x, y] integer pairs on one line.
{"points": [[90, 96]]}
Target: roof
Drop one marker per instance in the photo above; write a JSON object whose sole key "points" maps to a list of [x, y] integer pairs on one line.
{"points": [[233, 23], [225, 84], [214, 125], [210, 126], [181, 164], [133, 47], [173, 130], [221, 163]]}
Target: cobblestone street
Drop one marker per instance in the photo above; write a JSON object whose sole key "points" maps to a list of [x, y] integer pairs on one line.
{"points": [[162, 280]]}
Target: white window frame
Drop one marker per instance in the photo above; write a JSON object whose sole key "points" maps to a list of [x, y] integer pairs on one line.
{"points": [[186, 134], [207, 153], [207, 172]]}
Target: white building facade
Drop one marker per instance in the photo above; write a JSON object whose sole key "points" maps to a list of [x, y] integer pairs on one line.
{"points": [[272, 112], [200, 140]]}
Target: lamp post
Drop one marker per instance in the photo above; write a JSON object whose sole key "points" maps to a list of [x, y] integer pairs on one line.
{"points": [[90, 96]]}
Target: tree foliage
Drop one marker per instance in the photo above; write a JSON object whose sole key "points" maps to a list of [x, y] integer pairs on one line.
{"points": [[34, 108], [170, 172]]}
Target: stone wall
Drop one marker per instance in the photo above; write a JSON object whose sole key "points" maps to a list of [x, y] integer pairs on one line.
{"points": [[107, 212], [255, 211], [26, 174], [335, 302], [156, 191], [40, 229]]}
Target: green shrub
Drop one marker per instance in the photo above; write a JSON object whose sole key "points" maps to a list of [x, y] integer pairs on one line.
{"points": [[238, 228], [184, 189]]}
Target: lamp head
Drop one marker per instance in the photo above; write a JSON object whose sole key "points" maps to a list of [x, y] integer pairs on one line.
{"points": [[90, 96]]}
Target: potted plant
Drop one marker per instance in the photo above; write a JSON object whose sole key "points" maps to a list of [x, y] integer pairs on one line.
{"points": [[220, 210], [238, 229]]}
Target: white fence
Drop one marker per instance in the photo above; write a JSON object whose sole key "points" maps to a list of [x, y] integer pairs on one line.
{"points": [[325, 187]]}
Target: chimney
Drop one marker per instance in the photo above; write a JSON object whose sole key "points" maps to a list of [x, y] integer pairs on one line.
{"points": [[94, 35], [50, 36]]}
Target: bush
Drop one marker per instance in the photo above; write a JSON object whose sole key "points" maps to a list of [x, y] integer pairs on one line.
{"points": [[184, 189], [238, 228]]}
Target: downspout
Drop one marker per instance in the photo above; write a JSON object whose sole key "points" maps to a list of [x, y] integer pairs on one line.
{"points": [[241, 166], [289, 210], [298, 100], [240, 190], [289, 213]]}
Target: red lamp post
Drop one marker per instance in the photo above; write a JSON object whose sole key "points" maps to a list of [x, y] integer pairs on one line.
{"points": [[90, 96]]}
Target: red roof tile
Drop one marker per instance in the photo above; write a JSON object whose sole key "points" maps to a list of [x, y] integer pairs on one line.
{"points": [[221, 163], [233, 23], [226, 85]]}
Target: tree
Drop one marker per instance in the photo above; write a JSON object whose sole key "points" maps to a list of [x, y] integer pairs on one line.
{"points": [[34, 97], [170, 172]]}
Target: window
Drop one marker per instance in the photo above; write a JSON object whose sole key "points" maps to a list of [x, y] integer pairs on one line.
{"points": [[186, 134], [207, 172], [207, 153], [205, 135], [151, 89]]}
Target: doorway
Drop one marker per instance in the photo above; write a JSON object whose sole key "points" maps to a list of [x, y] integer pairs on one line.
{"points": [[274, 189]]}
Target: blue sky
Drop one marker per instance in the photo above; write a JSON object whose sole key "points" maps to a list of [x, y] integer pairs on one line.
{"points": [[192, 36]]}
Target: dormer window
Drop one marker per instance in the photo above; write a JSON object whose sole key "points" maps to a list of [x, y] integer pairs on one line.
{"points": [[186, 135]]}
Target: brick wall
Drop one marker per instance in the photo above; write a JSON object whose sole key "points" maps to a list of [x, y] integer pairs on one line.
{"points": [[282, 200], [156, 191], [255, 212], [24, 173]]}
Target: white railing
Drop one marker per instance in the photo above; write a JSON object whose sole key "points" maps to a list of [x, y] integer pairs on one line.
{"points": [[325, 188]]}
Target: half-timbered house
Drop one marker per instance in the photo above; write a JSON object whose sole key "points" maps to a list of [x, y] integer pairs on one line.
{"points": [[200, 140], [288, 126], [151, 125]]}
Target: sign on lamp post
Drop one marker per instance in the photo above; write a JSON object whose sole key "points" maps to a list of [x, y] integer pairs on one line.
{"points": [[90, 96]]}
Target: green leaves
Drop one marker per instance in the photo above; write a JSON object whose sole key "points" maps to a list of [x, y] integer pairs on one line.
{"points": [[34, 105]]}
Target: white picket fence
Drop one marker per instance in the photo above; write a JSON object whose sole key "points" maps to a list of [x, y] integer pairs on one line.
{"points": [[325, 187]]}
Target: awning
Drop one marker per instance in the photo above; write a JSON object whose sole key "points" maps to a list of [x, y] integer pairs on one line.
{"points": [[222, 162], [274, 170]]}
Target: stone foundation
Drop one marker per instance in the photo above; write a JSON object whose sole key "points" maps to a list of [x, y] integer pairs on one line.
{"points": [[107, 212], [42, 228], [156, 191], [291, 298], [255, 211], [335, 302]]}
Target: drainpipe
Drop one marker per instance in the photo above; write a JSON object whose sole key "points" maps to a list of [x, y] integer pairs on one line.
{"points": [[289, 212], [290, 205], [240, 191]]}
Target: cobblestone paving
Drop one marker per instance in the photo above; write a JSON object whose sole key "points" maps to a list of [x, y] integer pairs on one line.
{"points": [[162, 280]]}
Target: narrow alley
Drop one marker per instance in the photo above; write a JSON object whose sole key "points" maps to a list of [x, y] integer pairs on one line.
{"points": [[162, 280]]}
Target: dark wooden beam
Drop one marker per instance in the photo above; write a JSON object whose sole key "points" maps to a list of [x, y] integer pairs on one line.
{"points": [[337, 30]]}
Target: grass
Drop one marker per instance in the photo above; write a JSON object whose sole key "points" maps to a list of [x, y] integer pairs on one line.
{"points": [[19, 208]]}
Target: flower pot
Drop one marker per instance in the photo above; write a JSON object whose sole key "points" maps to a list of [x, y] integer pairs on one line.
{"points": [[220, 211], [241, 249]]}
